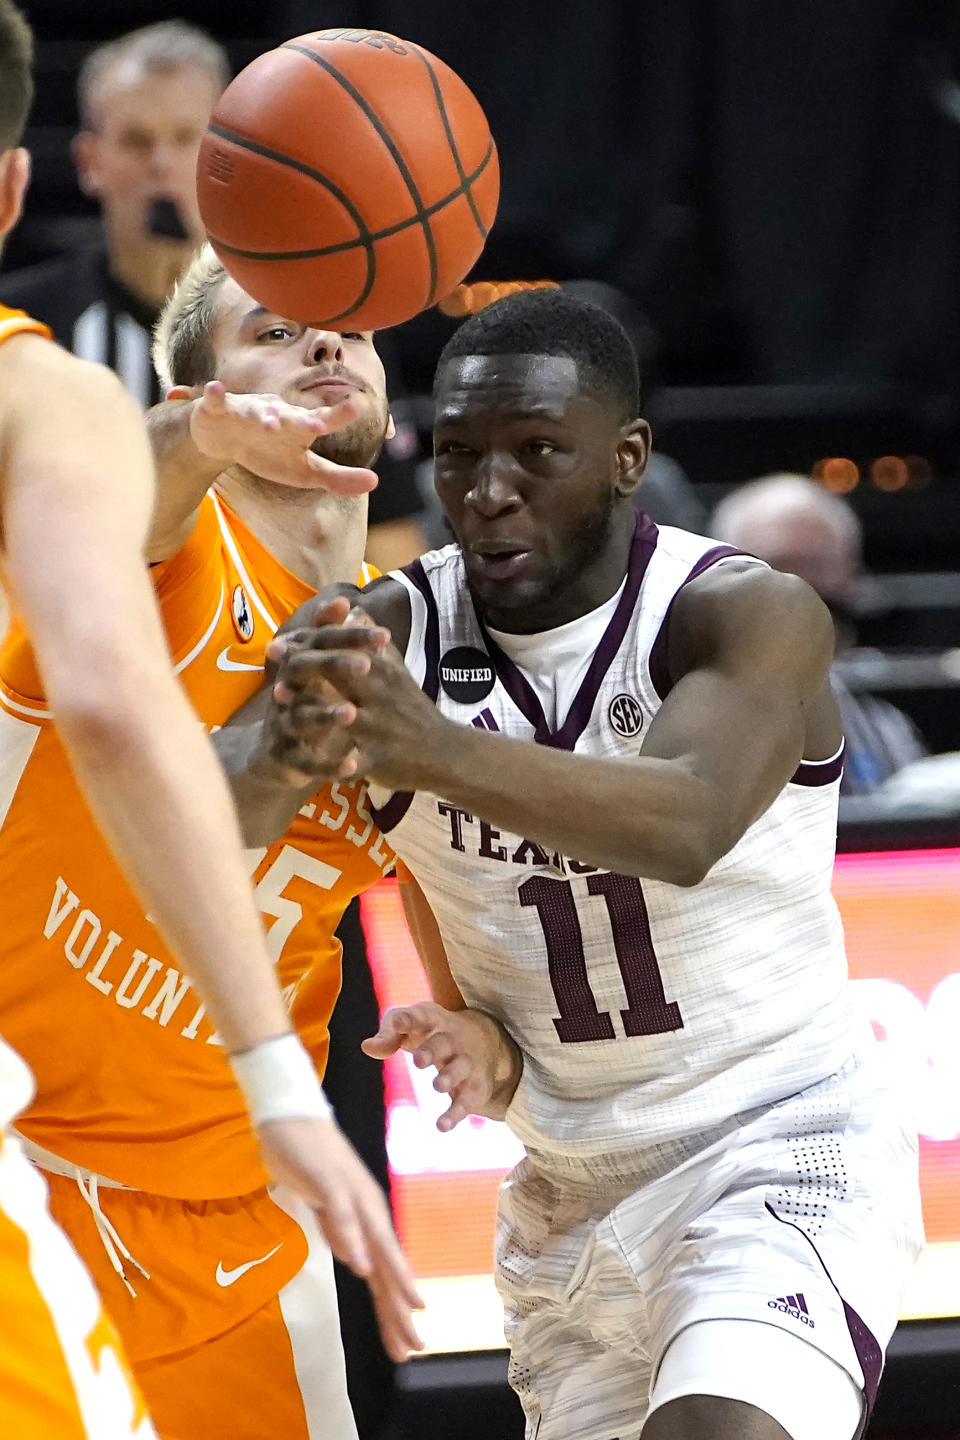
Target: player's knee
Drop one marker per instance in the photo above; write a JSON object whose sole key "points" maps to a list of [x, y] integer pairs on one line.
{"points": [[711, 1417]]}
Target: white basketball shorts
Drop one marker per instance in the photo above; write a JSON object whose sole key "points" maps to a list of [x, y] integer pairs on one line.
{"points": [[806, 1217]]}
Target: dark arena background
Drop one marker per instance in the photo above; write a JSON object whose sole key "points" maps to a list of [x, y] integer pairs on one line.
{"points": [[768, 195]]}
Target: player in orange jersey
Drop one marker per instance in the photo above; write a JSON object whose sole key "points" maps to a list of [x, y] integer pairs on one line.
{"points": [[235, 1330], [75, 500]]}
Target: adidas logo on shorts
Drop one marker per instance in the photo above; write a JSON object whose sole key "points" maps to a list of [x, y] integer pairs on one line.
{"points": [[794, 1305]]}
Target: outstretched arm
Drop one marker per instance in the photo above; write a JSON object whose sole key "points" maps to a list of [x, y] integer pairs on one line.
{"points": [[75, 500], [750, 651], [200, 431]]}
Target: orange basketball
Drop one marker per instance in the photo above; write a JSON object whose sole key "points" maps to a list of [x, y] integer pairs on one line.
{"points": [[348, 179]]}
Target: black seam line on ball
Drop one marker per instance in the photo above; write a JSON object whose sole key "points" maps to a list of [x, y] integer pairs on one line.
{"points": [[451, 141], [373, 236], [364, 238], [423, 215]]}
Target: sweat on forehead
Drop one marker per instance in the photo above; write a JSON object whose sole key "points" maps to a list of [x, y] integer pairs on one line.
{"points": [[550, 323]]}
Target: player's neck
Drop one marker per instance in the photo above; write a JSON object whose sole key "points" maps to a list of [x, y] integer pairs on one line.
{"points": [[319, 537], [149, 268], [573, 595]]}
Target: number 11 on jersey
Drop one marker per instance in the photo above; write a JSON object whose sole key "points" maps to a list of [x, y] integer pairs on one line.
{"points": [[648, 1012]]}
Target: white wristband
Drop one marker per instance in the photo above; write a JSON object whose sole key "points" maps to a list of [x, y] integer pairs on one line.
{"points": [[279, 1082]]}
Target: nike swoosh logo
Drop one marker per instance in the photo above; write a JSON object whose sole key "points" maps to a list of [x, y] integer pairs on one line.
{"points": [[225, 663], [227, 1277]]}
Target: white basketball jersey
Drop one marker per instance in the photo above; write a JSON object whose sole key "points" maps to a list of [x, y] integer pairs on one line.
{"points": [[646, 1012]]}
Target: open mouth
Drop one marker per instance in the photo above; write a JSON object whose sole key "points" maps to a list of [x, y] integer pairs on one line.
{"points": [[499, 564]]}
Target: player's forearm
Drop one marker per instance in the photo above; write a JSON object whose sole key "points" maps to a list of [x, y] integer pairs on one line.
{"points": [[184, 474], [506, 1070], [647, 817], [265, 797], [156, 791]]}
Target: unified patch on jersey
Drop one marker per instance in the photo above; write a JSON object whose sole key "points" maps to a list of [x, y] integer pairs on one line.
{"points": [[242, 614], [625, 715], [466, 674]]}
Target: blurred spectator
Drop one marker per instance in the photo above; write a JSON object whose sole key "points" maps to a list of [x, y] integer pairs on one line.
{"points": [[144, 102], [797, 526]]}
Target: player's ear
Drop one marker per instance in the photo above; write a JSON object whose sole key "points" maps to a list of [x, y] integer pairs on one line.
{"points": [[83, 149], [14, 179], [633, 452], [391, 428]]}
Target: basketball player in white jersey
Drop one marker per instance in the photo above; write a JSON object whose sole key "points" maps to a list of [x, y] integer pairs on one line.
{"points": [[610, 765]]}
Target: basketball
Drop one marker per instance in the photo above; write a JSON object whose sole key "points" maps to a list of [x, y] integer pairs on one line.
{"points": [[348, 179]]}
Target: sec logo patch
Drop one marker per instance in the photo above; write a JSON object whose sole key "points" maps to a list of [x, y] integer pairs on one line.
{"points": [[625, 716]]}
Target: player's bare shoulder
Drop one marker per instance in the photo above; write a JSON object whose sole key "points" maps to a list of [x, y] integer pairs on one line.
{"points": [[744, 613], [35, 372]]}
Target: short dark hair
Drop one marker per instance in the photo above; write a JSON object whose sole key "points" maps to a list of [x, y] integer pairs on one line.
{"points": [[16, 74], [548, 322]]}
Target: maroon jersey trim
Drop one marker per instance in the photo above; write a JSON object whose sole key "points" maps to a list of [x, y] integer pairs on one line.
{"points": [[657, 666], [521, 692], [819, 772]]}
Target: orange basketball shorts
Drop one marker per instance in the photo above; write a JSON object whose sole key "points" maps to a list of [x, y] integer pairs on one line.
{"points": [[233, 1331]]}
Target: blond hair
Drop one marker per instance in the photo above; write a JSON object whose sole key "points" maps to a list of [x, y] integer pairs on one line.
{"points": [[183, 351]]}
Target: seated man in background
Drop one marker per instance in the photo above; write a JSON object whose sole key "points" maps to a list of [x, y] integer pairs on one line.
{"points": [[801, 529]]}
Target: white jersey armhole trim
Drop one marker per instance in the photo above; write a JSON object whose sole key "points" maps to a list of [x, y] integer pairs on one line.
{"points": [[830, 760], [415, 655]]}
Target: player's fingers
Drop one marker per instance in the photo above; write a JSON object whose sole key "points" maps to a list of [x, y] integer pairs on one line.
{"points": [[214, 397], [328, 632], [305, 763], [338, 479], [438, 1049], [394, 1296], [312, 674], [458, 1109], [390, 1265], [334, 611], [398, 1031], [349, 765], [343, 1230], [327, 637], [333, 417], [453, 1073], [311, 722]]}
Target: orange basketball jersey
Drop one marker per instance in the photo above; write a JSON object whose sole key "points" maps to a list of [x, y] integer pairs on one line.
{"points": [[16, 1082], [131, 1080]]}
